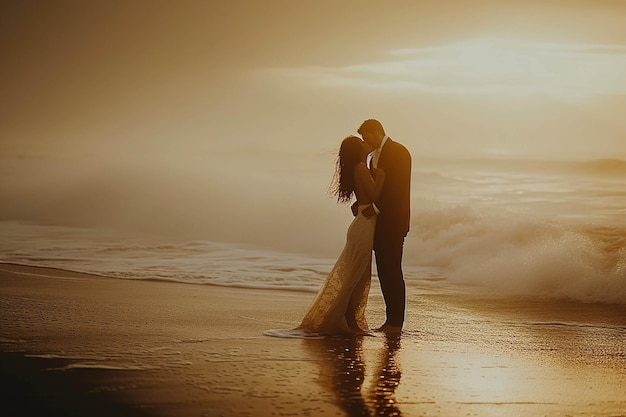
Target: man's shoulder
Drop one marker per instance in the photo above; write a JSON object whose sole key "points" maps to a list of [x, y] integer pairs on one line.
{"points": [[398, 147]]}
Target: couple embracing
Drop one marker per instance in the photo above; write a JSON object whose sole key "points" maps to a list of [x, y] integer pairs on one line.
{"points": [[382, 214]]}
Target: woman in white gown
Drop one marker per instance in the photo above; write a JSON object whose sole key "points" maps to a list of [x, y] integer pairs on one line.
{"points": [[339, 306]]}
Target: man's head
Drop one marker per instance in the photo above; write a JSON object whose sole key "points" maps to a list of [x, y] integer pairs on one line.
{"points": [[372, 132]]}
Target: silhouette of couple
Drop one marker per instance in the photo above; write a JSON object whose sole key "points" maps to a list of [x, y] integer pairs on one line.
{"points": [[382, 214]]}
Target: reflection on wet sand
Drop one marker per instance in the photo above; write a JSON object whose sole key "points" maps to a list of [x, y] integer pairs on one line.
{"points": [[342, 372], [387, 376]]}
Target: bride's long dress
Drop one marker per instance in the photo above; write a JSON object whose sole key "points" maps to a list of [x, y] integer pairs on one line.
{"points": [[339, 306]]}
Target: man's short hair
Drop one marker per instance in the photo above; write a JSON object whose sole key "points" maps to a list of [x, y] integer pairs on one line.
{"points": [[371, 125]]}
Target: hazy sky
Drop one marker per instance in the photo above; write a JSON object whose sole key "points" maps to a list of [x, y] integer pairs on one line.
{"points": [[521, 78]]}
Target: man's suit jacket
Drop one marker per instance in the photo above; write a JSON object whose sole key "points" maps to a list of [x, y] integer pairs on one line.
{"points": [[394, 200]]}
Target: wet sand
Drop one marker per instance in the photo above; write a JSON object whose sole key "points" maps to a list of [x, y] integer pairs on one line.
{"points": [[76, 344]]}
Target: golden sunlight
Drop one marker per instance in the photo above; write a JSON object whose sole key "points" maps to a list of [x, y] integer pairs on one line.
{"points": [[490, 66]]}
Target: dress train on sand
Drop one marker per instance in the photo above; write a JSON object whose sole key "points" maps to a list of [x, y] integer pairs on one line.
{"points": [[339, 306]]}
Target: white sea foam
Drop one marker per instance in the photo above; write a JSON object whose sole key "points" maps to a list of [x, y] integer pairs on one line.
{"points": [[518, 253]]}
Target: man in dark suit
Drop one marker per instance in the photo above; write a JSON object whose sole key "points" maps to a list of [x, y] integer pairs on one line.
{"points": [[392, 225]]}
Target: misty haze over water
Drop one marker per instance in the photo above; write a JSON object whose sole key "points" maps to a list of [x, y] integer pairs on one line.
{"points": [[535, 227]]}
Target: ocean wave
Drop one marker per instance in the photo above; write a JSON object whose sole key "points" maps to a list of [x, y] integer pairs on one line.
{"points": [[516, 253], [449, 248]]}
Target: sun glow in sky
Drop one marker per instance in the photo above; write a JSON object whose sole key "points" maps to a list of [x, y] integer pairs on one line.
{"points": [[491, 66]]}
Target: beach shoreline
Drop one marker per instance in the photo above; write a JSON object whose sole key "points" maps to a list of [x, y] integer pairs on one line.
{"points": [[77, 344]]}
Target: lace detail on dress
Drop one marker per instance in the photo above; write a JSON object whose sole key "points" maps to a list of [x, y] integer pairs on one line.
{"points": [[339, 306]]}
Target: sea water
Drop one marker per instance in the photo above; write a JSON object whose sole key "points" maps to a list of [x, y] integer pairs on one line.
{"points": [[527, 227]]}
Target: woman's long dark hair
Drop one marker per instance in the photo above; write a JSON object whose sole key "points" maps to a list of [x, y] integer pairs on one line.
{"points": [[342, 185]]}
